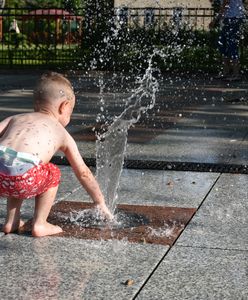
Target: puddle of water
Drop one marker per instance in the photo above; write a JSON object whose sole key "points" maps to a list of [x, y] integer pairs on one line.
{"points": [[92, 218]]}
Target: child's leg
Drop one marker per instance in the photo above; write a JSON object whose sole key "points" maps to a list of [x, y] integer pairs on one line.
{"points": [[13, 221], [43, 204]]}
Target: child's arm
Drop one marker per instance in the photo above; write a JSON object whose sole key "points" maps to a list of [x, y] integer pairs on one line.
{"points": [[84, 174], [4, 124]]}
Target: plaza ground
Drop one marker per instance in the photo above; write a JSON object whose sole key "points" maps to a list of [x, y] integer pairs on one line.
{"points": [[197, 120]]}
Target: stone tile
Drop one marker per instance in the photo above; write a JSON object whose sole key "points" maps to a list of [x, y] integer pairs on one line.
{"points": [[57, 268], [240, 155], [69, 183], [195, 273], [221, 222], [187, 144], [182, 144], [167, 188], [26, 210], [204, 133], [18, 80], [87, 148], [2, 212]]}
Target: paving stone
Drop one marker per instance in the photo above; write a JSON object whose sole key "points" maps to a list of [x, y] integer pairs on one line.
{"points": [[167, 188], [202, 133], [26, 209], [10, 81], [240, 155], [57, 268], [221, 222], [170, 188], [2, 212], [69, 183], [185, 144], [198, 273]]}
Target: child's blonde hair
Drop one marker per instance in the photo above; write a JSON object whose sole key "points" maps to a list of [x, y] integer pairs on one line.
{"points": [[51, 86]]}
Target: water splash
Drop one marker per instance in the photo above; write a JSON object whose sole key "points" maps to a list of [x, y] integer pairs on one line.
{"points": [[92, 218], [166, 230], [111, 145]]}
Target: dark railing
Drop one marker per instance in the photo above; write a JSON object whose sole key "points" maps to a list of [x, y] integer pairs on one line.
{"points": [[41, 36], [194, 18], [58, 37]]}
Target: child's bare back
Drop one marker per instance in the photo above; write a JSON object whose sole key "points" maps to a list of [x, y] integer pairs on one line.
{"points": [[34, 133], [27, 144]]}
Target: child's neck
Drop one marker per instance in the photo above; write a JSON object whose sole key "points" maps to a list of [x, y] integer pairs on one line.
{"points": [[49, 113]]}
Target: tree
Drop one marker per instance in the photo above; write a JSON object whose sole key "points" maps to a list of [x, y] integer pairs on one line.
{"points": [[73, 5], [216, 5], [43, 4], [70, 5], [98, 14], [2, 3], [15, 3], [33, 3]]}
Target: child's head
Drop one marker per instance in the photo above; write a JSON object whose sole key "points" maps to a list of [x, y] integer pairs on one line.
{"points": [[54, 93]]}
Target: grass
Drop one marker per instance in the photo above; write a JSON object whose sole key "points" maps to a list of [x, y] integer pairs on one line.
{"points": [[193, 58]]}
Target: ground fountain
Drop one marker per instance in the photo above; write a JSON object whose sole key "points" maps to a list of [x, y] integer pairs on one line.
{"points": [[111, 145], [137, 223]]}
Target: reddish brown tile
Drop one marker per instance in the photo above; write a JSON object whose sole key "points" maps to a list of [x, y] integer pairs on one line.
{"points": [[150, 224]]}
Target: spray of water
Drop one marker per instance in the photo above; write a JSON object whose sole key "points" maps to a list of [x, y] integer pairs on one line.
{"points": [[111, 145], [164, 231]]}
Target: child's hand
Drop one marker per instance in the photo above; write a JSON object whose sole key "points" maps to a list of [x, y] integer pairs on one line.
{"points": [[105, 211]]}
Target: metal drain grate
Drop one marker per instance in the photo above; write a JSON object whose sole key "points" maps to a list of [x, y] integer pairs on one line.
{"points": [[167, 165]]}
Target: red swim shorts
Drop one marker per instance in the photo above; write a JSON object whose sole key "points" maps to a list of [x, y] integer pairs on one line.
{"points": [[32, 183]]}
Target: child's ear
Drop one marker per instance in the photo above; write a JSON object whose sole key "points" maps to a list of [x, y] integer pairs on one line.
{"points": [[63, 106]]}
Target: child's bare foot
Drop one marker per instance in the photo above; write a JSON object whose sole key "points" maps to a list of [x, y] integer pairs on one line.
{"points": [[45, 229], [12, 226]]}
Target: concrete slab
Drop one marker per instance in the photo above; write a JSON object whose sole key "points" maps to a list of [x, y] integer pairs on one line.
{"points": [[189, 145], [57, 268], [69, 183], [203, 133], [221, 222], [184, 131], [170, 188], [17, 80], [165, 188], [195, 273], [26, 210], [240, 155], [2, 212]]}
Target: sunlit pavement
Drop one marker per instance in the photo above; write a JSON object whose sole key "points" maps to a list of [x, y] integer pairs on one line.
{"points": [[194, 120]]}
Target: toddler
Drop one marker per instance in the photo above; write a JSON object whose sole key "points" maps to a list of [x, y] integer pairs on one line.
{"points": [[28, 142]]}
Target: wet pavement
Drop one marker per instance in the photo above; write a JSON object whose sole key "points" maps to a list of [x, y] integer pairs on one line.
{"points": [[196, 120]]}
